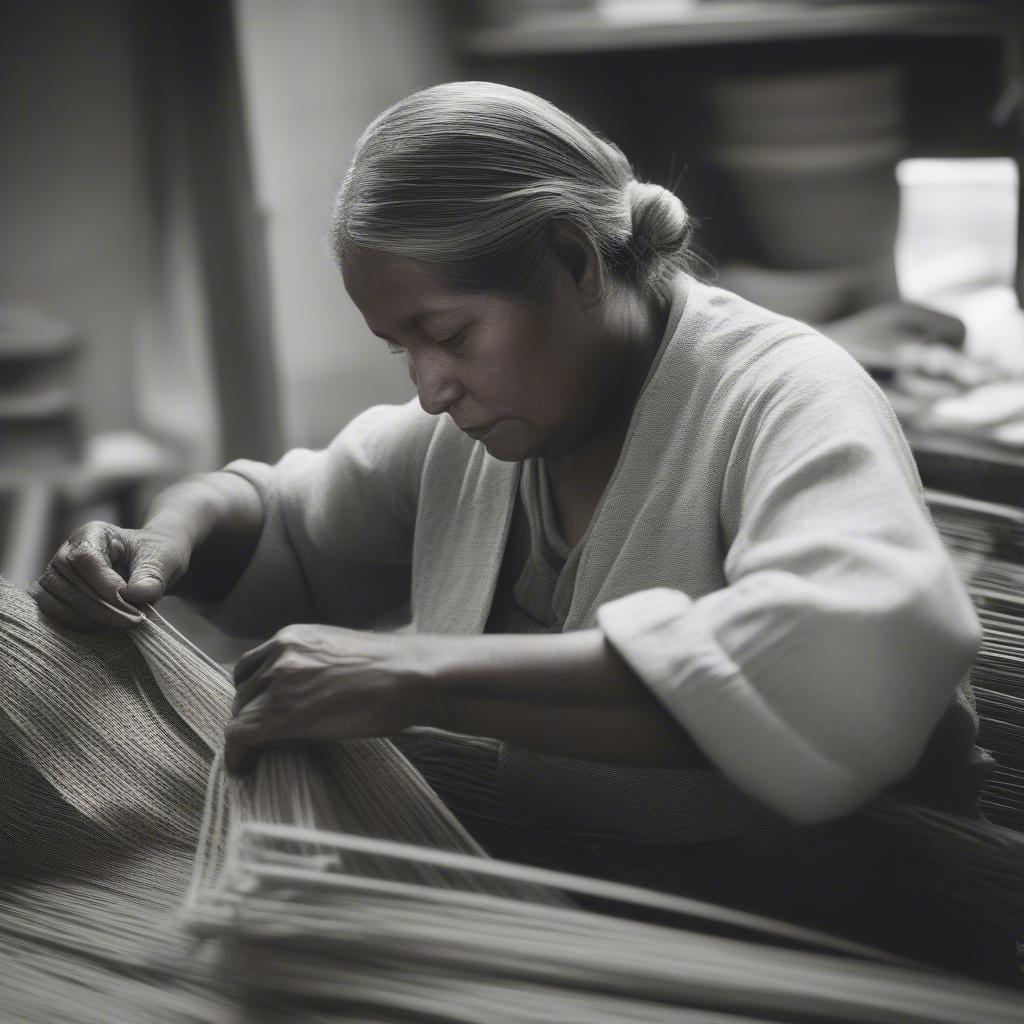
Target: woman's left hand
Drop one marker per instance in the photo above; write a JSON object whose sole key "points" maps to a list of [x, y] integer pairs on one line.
{"points": [[311, 682]]}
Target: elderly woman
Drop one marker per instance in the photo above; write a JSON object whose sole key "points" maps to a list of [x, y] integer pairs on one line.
{"points": [[677, 605]]}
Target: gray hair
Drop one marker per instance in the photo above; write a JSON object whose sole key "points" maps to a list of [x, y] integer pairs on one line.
{"points": [[467, 176]]}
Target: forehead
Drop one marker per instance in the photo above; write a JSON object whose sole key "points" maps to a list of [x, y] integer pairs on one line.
{"points": [[395, 289]]}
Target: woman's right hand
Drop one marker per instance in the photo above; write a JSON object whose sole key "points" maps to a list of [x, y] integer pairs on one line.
{"points": [[101, 572]]}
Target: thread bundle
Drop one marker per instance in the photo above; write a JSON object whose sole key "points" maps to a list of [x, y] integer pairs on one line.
{"points": [[986, 542], [141, 883]]}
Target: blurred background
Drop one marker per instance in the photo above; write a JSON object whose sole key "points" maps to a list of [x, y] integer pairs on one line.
{"points": [[167, 297]]}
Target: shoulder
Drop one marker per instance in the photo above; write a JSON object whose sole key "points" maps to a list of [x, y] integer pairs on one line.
{"points": [[760, 389], [752, 358], [379, 439], [384, 442], [405, 424], [401, 446]]}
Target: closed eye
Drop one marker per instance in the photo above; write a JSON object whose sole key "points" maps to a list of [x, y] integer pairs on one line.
{"points": [[454, 342]]}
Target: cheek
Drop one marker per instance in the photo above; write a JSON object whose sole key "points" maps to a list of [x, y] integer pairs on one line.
{"points": [[504, 374], [556, 384], [529, 368]]}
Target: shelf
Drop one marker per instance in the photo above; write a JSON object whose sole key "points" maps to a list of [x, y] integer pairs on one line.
{"points": [[968, 466], [725, 21]]}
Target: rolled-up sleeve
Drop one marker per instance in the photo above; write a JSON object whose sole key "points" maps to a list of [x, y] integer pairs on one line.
{"points": [[336, 542], [815, 677]]}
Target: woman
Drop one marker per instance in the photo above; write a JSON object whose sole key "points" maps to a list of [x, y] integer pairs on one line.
{"points": [[672, 579]]}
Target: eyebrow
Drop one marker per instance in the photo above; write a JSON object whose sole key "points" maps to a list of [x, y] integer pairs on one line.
{"points": [[417, 319]]}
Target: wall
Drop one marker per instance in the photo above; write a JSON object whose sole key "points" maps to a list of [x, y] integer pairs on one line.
{"points": [[315, 73], [71, 185]]}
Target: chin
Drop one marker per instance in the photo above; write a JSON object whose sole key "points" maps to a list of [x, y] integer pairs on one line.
{"points": [[506, 451], [511, 446], [508, 442]]}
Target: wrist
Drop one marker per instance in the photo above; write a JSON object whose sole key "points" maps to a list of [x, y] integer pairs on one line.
{"points": [[428, 695], [182, 512], [174, 529], [193, 507]]}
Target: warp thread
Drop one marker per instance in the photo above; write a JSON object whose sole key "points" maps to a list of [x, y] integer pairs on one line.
{"points": [[333, 883]]}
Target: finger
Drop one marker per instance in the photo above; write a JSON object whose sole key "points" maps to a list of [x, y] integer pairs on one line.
{"points": [[244, 737], [253, 660], [61, 613], [93, 557], [154, 567], [252, 687], [242, 751], [239, 751], [145, 586], [89, 612], [118, 611]]}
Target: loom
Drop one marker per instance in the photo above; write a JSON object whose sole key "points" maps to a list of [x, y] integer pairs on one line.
{"points": [[142, 883]]}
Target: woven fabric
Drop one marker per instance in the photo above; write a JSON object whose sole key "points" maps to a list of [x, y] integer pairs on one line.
{"points": [[108, 763], [294, 912]]}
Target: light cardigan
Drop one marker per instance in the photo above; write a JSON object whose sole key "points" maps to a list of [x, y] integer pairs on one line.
{"points": [[761, 557]]}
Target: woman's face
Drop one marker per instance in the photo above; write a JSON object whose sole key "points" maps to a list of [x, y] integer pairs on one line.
{"points": [[525, 380]]}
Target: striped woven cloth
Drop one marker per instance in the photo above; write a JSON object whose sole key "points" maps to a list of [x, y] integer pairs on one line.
{"points": [[140, 883]]}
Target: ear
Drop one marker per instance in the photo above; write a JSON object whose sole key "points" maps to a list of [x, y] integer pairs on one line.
{"points": [[579, 255]]}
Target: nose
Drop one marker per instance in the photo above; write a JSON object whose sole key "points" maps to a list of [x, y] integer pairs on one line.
{"points": [[437, 389]]}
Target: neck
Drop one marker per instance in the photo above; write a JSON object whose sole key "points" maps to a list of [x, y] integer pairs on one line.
{"points": [[636, 339]]}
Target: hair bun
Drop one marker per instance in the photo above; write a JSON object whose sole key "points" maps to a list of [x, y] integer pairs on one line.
{"points": [[661, 225]]}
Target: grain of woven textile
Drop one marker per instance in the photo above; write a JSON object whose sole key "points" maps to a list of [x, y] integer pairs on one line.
{"points": [[986, 542], [139, 883]]}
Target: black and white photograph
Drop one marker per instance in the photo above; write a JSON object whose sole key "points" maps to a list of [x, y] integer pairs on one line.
{"points": [[511, 512]]}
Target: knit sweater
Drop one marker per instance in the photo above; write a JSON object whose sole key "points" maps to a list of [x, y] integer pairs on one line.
{"points": [[761, 557]]}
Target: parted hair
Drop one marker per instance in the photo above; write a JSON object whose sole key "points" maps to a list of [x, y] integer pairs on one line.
{"points": [[468, 177]]}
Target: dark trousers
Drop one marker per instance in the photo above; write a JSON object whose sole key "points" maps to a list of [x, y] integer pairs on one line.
{"points": [[847, 877]]}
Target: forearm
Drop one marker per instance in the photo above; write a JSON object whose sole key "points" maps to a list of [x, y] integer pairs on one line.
{"points": [[567, 694], [220, 515]]}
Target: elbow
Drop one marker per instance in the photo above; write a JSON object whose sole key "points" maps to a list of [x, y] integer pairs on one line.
{"points": [[956, 628], [909, 681], [823, 799], [968, 639], [889, 750], [836, 772]]}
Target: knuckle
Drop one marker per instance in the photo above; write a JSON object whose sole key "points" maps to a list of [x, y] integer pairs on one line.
{"points": [[63, 552], [75, 551], [50, 579], [287, 636], [287, 660], [93, 532], [41, 597], [86, 550]]}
